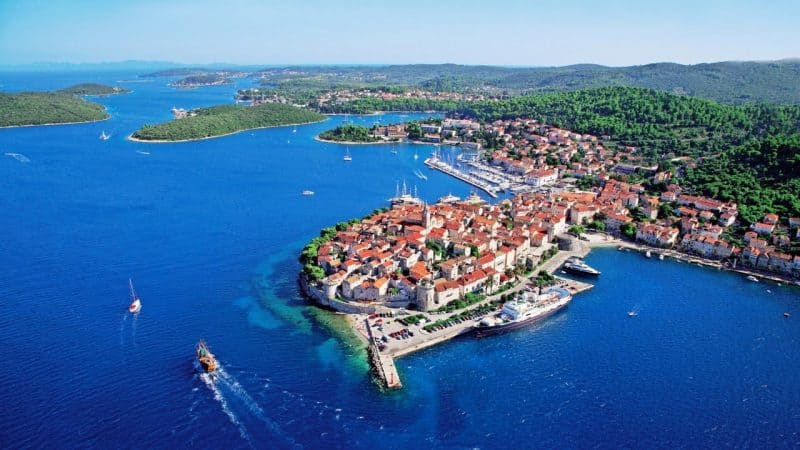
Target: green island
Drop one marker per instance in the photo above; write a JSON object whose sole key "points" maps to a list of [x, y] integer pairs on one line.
{"points": [[93, 89], [210, 79], [47, 108], [221, 120], [350, 133]]}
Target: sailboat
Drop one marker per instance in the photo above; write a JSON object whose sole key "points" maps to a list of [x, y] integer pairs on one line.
{"points": [[347, 156], [294, 130], [136, 304], [416, 155], [104, 136]]}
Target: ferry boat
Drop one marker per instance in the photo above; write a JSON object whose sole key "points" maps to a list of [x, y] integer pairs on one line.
{"points": [[576, 265], [308, 192], [205, 358], [104, 136], [136, 303], [527, 308], [347, 156]]}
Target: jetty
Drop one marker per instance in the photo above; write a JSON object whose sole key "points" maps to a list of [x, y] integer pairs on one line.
{"points": [[382, 363]]}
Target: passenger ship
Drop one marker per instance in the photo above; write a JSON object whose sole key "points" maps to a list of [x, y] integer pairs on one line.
{"points": [[527, 308]]}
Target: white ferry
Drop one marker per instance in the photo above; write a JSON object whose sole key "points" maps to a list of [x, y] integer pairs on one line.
{"points": [[527, 308]]}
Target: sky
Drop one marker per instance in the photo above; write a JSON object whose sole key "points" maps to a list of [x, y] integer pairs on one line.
{"points": [[509, 32]]}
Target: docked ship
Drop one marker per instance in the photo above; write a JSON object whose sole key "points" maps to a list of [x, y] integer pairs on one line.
{"points": [[136, 303], [205, 358], [576, 265], [527, 308]]}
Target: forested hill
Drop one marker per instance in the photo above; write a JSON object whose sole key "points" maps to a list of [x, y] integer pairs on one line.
{"points": [[726, 82], [661, 124], [762, 175]]}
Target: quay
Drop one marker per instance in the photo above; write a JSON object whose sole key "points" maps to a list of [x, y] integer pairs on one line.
{"points": [[435, 163]]}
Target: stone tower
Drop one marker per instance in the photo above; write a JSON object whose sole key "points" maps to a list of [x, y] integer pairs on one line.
{"points": [[425, 293], [426, 218]]}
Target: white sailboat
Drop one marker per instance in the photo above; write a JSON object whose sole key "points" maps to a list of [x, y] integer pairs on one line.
{"points": [[136, 303], [347, 156], [416, 155], [104, 136]]}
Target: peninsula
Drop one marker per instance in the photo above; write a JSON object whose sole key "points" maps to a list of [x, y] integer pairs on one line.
{"points": [[222, 120], [47, 108], [94, 89], [718, 189]]}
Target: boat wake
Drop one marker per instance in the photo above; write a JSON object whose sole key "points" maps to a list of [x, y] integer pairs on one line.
{"points": [[19, 157], [210, 382], [124, 333], [241, 408]]}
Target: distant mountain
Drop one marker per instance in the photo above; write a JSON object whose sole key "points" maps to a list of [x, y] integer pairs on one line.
{"points": [[727, 82], [105, 66]]}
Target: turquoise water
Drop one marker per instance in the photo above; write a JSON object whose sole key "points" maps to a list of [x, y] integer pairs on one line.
{"points": [[210, 231]]}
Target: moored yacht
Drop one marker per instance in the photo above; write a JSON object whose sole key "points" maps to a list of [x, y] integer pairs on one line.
{"points": [[576, 265]]}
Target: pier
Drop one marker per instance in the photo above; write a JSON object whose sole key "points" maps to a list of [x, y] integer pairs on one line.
{"points": [[382, 363]]}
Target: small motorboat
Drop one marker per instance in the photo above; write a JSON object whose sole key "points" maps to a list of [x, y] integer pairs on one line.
{"points": [[632, 313], [308, 192], [136, 303], [786, 315], [752, 278], [206, 359], [648, 254], [661, 256]]}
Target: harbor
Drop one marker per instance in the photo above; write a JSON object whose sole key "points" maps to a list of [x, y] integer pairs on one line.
{"points": [[390, 335]]}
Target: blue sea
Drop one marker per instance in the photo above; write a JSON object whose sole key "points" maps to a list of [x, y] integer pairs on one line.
{"points": [[209, 232]]}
